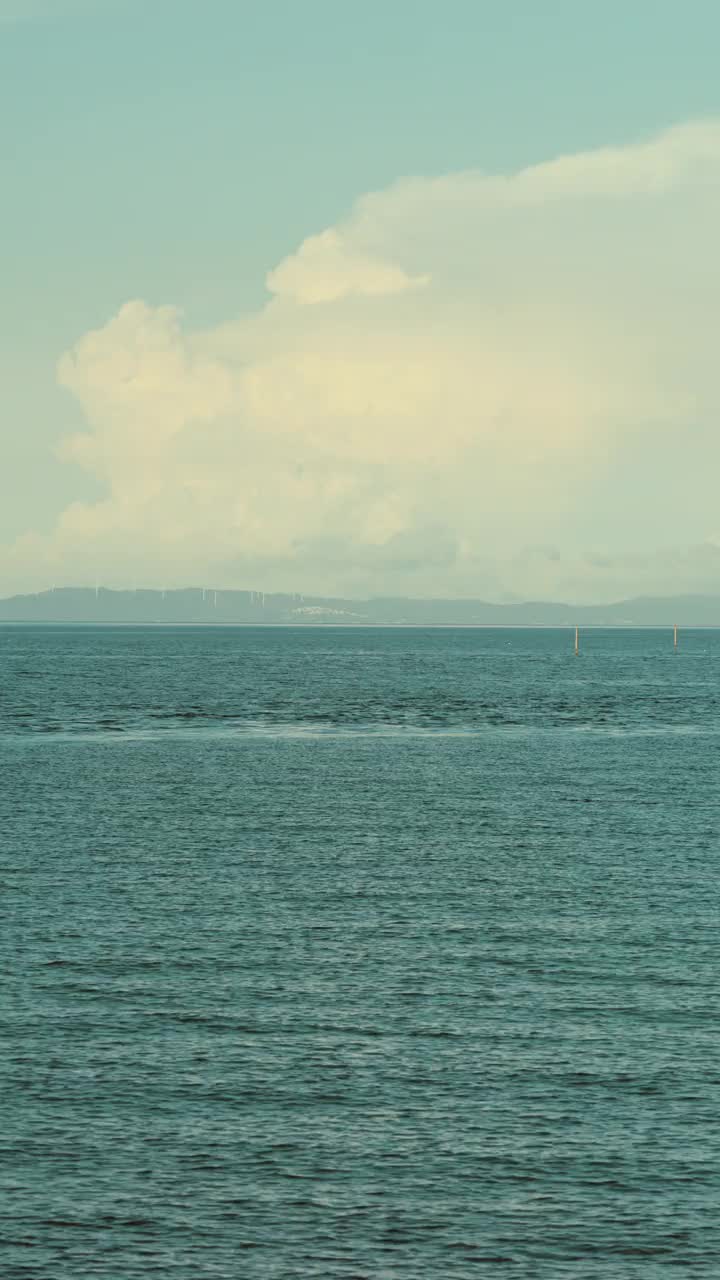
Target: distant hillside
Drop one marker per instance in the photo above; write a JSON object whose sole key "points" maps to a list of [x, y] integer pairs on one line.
{"points": [[196, 605]]}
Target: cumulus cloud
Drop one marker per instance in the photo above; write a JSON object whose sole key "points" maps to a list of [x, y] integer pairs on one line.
{"points": [[327, 267], [477, 384]]}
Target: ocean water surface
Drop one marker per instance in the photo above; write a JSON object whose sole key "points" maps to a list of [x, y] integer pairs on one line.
{"points": [[359, 953]]}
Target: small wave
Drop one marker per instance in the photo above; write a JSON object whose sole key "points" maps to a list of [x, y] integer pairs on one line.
{"points": [[293, 731], [646, 731], [218, 730]]}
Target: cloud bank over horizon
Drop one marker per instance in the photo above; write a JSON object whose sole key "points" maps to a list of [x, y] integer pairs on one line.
{"points": [[488, 385]]}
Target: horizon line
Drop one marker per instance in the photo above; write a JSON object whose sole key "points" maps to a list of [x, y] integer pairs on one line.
{"points": [[317, 596]]}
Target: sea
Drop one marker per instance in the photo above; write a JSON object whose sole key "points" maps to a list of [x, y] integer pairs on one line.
{"points": [[377, 954]]}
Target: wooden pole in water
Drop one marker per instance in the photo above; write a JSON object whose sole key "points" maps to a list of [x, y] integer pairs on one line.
{"points": [[577, 641], [675, 636]]}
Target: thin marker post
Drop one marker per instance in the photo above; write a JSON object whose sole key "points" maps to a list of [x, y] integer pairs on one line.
{"points": [[577, 641]]}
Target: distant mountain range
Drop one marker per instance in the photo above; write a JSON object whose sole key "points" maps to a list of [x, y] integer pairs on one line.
{"points": [[197, 605]]}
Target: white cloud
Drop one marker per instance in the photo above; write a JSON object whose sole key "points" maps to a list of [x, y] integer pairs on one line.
{"points": [[468, 368], [327, 267]]}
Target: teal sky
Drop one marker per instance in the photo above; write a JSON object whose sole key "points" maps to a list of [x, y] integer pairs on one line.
{"points": [[177, 151]]}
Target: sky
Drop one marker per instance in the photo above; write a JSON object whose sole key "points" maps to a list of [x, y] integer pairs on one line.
{"points": [[392, 298]]}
